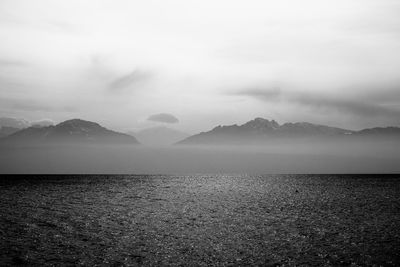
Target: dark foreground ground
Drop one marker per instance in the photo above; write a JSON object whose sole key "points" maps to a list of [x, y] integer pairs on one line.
{"points": [[273, 220]]}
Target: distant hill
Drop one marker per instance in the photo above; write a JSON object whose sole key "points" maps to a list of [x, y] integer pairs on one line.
{"points": [[380, 131], [159, 136], [14, 122], [9, 125], [262, 130], [70, 131], [5, 131]]}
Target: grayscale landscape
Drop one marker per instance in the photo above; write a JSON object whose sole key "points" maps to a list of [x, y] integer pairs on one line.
{"points": [[256, 147], [199, 133]]}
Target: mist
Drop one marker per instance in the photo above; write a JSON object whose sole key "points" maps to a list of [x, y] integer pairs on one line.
{"points": [[305, 156]]}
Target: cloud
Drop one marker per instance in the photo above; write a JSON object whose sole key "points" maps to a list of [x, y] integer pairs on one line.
{"points": [[163, 117], [13, 122], [21, 123], [11, 63], [61, 26], [136, 77], [267, 94], [47, 23], [32, 106], [42, 123], [319, 101], [345, 106], [179, 59]]}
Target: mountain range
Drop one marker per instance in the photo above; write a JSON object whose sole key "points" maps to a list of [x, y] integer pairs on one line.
{"points": [[256, 131], [70, 131], [262, 130]]}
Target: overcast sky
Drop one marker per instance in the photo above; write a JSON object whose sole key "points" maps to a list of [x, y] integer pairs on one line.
{"points": [[204, 63]]}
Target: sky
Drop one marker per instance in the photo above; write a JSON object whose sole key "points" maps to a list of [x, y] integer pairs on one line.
{"points": [[130, 65]]}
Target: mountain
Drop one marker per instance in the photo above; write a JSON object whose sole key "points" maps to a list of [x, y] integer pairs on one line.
{"points": [[9, 125], [262, 130], [160, 136], [70, 131], [5, 131], [380, 131]]}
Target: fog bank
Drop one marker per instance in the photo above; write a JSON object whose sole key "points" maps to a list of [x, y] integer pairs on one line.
{"points": [[305, 157]]}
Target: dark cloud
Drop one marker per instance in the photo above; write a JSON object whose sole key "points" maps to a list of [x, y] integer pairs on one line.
{"points": [[323, 102], [136, 77], [163, 117]]}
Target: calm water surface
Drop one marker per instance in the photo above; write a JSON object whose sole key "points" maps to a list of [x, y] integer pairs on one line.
{"points": [[200, 220]]}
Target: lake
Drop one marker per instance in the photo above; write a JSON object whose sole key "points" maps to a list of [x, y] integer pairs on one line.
{"points": [[200, 220]]}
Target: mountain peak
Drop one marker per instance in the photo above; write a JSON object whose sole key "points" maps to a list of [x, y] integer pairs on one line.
{"points": [[260, 130], [261, 123], [76, 123], [72, 131]]}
